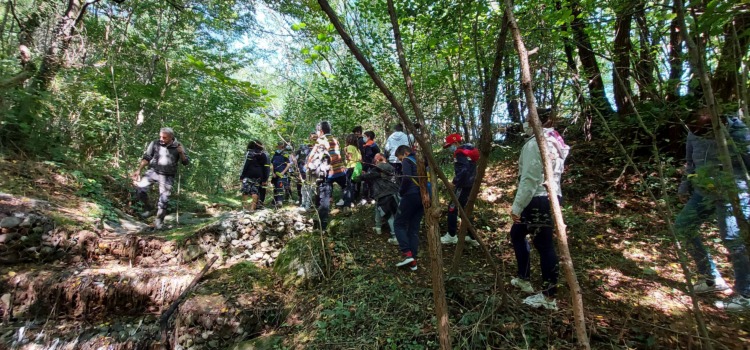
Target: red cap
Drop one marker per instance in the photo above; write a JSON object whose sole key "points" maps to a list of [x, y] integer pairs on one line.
{"points": [[451, 139]]}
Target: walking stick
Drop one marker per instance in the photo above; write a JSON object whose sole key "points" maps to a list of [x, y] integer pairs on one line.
{"points": [[177, 215]]}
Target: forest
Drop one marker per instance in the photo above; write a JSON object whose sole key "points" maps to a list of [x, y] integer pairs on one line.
{"points": [[650, 219]]}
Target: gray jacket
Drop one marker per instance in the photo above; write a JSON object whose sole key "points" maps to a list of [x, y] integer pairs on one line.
{"points": [[164, 159], [703, 152]]}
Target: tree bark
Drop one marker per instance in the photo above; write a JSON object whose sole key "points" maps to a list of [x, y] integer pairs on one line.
{"points": [[570, 62], [675, 61], [61, 37], [621, 71], [644, 69], [589, 62], [431, 208], [552, 190], [511, 100], [725, 80], [489, 93]]}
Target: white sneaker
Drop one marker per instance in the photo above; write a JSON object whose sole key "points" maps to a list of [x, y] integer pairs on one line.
{"points": [[522, 284], [393, 241], [363, 202], [737, 303], [340, 203], [703, 287], [472, 242], [448, 239], [377, 230], [407, 261], [539, 300]]}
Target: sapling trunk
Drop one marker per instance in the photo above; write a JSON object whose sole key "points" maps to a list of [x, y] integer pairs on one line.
{"points": [[552, 190]]}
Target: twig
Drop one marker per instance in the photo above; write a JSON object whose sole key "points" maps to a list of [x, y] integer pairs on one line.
{"points": [[164, 320]]}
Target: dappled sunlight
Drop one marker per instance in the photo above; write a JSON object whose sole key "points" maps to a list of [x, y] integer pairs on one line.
{"points": [[616, 286]]}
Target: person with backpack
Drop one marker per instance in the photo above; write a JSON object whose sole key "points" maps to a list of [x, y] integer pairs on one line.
{"points": [[254, 174], [327, 167], [395, 140], [280, 180], [370, 149], [465, 158], [301, 159], [532, 215], [410, 209], [385, 190], [162, 157], [706, 190]]}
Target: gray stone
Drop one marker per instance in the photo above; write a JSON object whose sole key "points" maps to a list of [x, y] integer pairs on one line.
{"points": [[265, 244], [10, 222], [192, 252]]}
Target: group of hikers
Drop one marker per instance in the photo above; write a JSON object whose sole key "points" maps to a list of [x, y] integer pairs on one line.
{"points": [[388, 178]]}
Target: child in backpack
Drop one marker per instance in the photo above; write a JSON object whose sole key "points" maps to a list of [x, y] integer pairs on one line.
{"points": [[254, 173], [385, 191], [410, 209], [368, 161], [280, 180]]}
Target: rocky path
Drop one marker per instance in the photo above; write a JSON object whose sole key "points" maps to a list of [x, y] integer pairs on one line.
{"points": [[66, 288]]}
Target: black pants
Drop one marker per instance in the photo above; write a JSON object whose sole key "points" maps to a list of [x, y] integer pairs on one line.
{"points": [[325, 190], [463, 196]]}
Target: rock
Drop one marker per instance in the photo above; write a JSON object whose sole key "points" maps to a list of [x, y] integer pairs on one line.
{"points": [[167, 249], [265, 244], [76, 259], [192, 252], [245, 237], [257, 256], [10, 222], [275, 254], [245, 221], [236, 242], [266, 256], [299, 226], [148, 261], [156, 254]]}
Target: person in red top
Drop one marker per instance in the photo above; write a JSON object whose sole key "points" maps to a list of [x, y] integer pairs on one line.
{"points": [[465, 159]]}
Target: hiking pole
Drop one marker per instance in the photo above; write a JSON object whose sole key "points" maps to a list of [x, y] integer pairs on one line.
{"points": [[177, 214]]}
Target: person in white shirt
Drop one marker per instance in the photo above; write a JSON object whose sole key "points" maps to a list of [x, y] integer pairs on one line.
{"points": [[531, 212], [395, 140]]}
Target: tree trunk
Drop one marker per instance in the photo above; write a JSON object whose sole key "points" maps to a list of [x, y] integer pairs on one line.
{"points": [[489, 93], [725, 80], [675, 61], [431, 208], [644, 69], [560, 228], [457, 97], [61, 37], [621, 71], [511, 100], [570, 62], [588, 61]]}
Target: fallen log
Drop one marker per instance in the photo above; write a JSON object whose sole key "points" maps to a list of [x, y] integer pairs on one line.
{"points": [[164, 320]]}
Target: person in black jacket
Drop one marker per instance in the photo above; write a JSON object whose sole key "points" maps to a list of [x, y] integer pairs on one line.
{"points": [[254, 173], [465, 165], [410, 209], [162, 157]]}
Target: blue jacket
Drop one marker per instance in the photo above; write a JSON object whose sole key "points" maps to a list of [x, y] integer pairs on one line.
{"points": [[409, 180], [280, 161], [701, 152]]}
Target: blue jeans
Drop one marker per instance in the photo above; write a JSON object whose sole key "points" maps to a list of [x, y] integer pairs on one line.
{"points": [[536, 220], [698, 209], [408, 220]]}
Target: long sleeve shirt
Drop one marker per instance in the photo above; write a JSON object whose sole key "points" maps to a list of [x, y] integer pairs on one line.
{"points": [[531, 170]]}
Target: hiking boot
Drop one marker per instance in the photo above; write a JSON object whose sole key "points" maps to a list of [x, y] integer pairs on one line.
{"points": [[718, 286], [737, 303], [539, 300], [472, 242], [522, 284], [393, 241], [448, 239]]}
